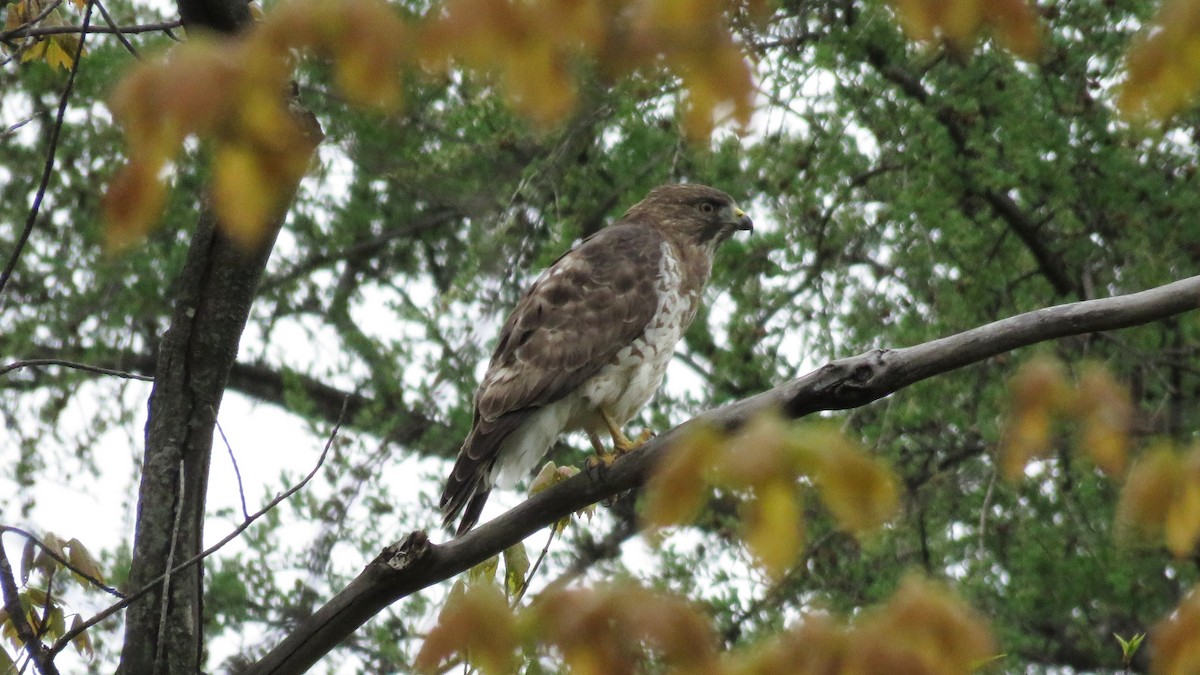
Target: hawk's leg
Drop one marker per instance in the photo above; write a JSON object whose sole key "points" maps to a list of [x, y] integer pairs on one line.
{"points": [[621, 444]]}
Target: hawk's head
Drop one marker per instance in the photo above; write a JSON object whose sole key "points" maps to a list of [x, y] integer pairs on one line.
{"points": [[695, 214]]}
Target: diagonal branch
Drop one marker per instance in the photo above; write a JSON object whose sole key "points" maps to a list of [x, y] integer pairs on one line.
{"points": [[415, 563], [48, 167], [42, 662], [1049, 263]]}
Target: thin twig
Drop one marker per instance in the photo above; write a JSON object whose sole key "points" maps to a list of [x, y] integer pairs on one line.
{"points": [[116, 30], [61, 560], [237, 472], [12, 129], [63, 641], [30, 363], [48, 169], [164, 605], [533, 570], [45, 622], [45, 31], [42, 660], [32, 22]]}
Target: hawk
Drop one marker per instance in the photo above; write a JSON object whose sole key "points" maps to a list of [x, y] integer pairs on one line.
{"points": [[588, 343]]}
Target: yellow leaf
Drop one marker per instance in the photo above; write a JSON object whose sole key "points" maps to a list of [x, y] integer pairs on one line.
{"points": [[960, 20], [516, 567], [1182, 524], [244, 193], [859, 490], [676, 490], [36, 51], [1160, 76], [82, 560], [773, 526], [601, 630], [1038, 391], [922, 628], [61, 51], [1026, 437], [1106, 413], [484, 572], [81, 642], [757, 453], [1150, 489]]}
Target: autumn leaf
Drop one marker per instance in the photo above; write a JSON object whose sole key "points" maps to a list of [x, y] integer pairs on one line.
{"points": [[1162, 73], [1038, 391], [601, 630], [959, 23], [83, 562], [1106, 414], [922, 628], [773, 526], [82, 642], [516, 568], [476, 623], [1150, 489], [1181, 527], [859, 490], [676, 490], [1176, 639]]}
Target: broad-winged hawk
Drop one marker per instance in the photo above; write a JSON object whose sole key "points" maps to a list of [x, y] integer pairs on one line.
{"points": [[588, 343]]}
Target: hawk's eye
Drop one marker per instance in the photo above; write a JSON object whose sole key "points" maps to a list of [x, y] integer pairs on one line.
{"points": [[707, 208]]}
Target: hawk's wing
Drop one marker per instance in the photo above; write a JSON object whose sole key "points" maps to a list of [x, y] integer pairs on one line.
{"points": [[594, 300]]}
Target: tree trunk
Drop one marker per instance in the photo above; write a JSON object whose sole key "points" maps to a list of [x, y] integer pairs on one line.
{"points": [[164, 629]]}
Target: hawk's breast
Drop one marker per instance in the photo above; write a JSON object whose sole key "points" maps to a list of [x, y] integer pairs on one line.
{"points": [[627, 382]]}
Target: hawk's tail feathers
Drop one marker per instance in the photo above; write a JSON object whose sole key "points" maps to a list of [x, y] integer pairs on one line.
{"points": [[463, 496], [470, 480]]}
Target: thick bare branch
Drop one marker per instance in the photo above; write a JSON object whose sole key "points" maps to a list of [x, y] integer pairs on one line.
{"points": [[415, 563]]}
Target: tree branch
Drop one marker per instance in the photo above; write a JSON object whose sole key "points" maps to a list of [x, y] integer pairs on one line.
{"points": [[16, 614], [44, 31], [48, 167], [1049, 263], [415, 563], [256, 380]]}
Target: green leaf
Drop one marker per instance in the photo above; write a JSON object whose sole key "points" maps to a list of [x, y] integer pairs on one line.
{"points": [[516, 567]]}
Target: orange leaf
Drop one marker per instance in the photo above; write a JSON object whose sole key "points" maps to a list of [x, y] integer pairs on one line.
{"points": [[132, 204], [477, 623]]}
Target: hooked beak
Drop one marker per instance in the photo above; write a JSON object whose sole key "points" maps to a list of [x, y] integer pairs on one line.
{"points": [[743, 221]]}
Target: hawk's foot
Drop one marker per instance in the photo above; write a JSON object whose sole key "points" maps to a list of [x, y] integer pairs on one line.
{"points": [[624, 445], [600, 462]]}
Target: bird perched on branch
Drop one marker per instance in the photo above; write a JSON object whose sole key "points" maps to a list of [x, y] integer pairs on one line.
{"points": [[589, 342]]}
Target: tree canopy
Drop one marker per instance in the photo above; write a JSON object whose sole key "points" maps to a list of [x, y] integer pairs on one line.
{"points": [[313, 216]]}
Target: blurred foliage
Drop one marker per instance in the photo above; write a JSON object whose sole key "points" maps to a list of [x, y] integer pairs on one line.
{"points": [[902, 190]]}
